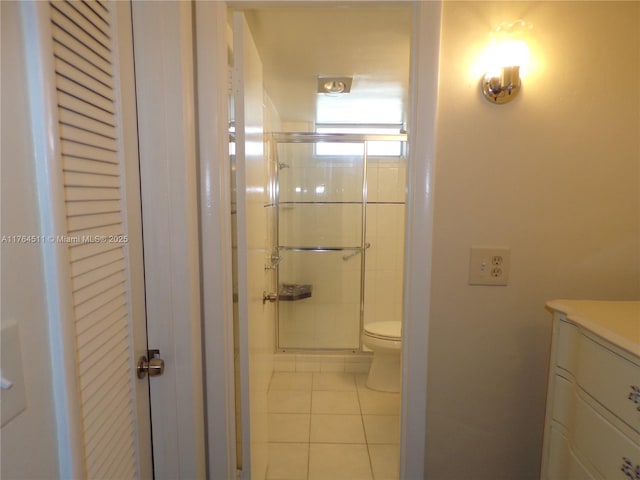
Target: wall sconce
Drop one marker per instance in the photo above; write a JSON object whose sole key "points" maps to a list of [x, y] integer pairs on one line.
{"points": [[504, 58], [503, 88]]}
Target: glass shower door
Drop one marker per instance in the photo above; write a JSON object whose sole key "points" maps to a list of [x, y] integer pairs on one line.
{"points": [[320, 238]]}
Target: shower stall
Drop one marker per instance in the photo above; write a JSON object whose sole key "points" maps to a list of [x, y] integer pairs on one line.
{"points": [[338, 235]]}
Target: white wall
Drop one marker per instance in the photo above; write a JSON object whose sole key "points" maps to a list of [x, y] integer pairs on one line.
{"points": [[555, 176], [29, 448]]}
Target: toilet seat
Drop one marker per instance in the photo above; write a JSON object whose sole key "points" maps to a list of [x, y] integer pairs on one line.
{"points": [[389, 330]]}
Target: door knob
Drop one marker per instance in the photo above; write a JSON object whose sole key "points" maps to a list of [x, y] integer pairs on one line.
{"points": [[269, 297], [154, 366]]}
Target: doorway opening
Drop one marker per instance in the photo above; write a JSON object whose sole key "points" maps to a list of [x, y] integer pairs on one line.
{"points": [[320, 231]]}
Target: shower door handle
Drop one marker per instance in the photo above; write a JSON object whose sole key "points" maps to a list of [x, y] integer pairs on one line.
{"points": [[269, 297]]}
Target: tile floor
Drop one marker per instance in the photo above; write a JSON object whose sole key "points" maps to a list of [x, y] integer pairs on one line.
{"points": [[330, 426]]}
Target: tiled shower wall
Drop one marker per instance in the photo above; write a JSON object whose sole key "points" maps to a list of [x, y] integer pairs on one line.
{"points": [[384, 265], [330, 319]]}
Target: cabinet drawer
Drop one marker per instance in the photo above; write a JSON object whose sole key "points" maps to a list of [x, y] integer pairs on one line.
{"points": [[563, 401], [608, 377], [568, 339], [604, 446], [562, 463]]}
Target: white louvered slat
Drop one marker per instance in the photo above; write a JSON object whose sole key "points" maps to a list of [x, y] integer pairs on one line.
{"points": [[75, 89], [103, 323], [101, 448], [89, 265], [72, 13], [85, 294], [64, 69], [96, 389], [84, 136], [115, 446], [85, 250], [100, 11], [104, 449], [91, 208], [118, 326], [104, 400], [72, 164], [75, 179], [74, 194], [99, 328], [90, 152], [106, 311], [65, 54], [90, 15], [110, 448], [86, 222], [115, 458], [92, 174], [105, 234], [63, 36], [78, 179], [125, 468], [93, 276], [83, 34], [68, 117], [106, 403], [100, 300], [68, 102], [110, 350]]}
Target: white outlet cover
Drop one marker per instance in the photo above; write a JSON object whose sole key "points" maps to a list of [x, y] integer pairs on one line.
{"points": [[489, 265]]}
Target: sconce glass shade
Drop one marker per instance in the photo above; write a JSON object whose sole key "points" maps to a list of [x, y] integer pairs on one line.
{"points": [[504, 58], [504, 88]]}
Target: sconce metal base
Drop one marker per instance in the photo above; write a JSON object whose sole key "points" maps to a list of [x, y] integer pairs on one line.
{"points": [[495, 92]]}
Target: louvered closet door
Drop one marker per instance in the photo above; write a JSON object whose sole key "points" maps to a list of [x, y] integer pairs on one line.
{"points": [[92, 53]]}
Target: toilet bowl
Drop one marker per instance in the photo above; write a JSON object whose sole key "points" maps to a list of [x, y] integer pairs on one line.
{"points": [[385, 339]]}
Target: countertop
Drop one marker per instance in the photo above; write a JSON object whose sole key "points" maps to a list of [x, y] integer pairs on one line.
{"points": [[616, 322]]}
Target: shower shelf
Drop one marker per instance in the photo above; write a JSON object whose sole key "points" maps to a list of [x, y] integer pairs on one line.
{"points": [[292, 292]]}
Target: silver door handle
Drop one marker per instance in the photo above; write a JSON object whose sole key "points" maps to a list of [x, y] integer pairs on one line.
{"points": [[154, 366]]}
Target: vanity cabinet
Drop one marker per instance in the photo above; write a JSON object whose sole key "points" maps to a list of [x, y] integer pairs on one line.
{"points": [[592, 423]]}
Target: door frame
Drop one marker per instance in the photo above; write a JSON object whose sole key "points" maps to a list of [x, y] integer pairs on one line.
{"points": [[165, 76], [212, 91], [37, 32]]}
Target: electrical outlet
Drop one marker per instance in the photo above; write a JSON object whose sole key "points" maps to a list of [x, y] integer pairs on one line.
{"points": [[489, 265]]}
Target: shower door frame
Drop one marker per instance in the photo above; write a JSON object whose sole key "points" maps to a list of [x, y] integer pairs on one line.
{"points": [[314, 138]]}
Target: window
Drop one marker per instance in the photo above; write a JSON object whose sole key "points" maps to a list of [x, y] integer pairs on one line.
{"points": [[388, 148]]}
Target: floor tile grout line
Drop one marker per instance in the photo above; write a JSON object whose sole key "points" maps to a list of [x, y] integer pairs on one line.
{"points": [[366, 438], [309, 443], [360, 392]]}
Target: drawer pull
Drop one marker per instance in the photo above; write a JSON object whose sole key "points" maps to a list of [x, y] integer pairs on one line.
{"points": [[634, 395], [628, 470]]}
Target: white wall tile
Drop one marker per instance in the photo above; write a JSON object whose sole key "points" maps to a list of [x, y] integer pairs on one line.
{"points": [[284, 363]]}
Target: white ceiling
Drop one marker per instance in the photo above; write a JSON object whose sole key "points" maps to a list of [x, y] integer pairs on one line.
{"points": [[371, 44]]}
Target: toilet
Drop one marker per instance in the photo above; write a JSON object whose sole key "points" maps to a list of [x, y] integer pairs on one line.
{"points": [[385, 339]]}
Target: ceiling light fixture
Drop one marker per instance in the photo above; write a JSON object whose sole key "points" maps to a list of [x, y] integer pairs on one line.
{"points": [[334, 85]]}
